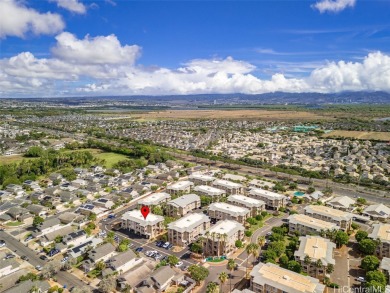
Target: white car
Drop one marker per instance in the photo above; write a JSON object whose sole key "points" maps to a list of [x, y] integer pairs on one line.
{"points": [[166, 244], [38, 268], [2, 243], [64, 259], [179, 264], [361, 279]]}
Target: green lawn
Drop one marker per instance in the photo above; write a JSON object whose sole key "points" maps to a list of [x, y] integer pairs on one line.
{"points": [[259, 224], [111, 158], [17, 223], [13, 159]]}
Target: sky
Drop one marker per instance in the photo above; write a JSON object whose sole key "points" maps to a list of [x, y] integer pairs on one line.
{"points": [[124, 47]]}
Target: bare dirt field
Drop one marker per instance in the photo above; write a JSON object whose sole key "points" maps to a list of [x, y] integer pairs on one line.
{"points": [[232, 114], [385, 136]]}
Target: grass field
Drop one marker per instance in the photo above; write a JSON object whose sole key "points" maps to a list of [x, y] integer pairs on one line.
{"points": [[367, 135], [265, 115], [12, 159], [110, 158]]}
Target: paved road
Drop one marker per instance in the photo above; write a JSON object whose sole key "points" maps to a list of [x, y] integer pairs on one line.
{"points": [[64, 278]]}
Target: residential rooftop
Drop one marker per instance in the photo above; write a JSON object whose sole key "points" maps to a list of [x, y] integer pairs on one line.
{"points": [[136, 216], [228, 227], [311, 222], [285, 280], [228, 208], [188, 222], [381, 231], [227, 183], [155, 198], [184, 200], [245, 200], [179, 185], [266, 193], [335, 214], [316, 248], [209, 190]]}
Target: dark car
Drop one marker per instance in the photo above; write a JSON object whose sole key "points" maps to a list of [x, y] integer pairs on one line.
{"points": [[169, 246], [10, 255], [139, 249], [43, 257], [24, 257]]}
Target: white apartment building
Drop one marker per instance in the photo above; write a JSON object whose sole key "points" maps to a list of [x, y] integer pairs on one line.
{"points": [[304, 224], [340, 218], [155, 199], [312, 250], [220, 239], [180, 187], [229, 186], [272, 200], [149, 227], [214, 193], [201, 179], [225, 211], [182, 205], [187, 229], [269, 277], [256, 206]]}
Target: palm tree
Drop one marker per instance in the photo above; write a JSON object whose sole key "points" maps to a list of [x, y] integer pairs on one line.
{"points": [[222, 278], [251, 249], [319, 265], [212, 287], [261, 241], [329, 268], [231, 266]]}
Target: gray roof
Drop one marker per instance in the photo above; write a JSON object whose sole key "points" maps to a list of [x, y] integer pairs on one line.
{"points": [[385, 264], [34, 208], [59, 232], [162, 275], [189, 222], [122, 258], [27, 285], [317, 248], [49, 223], [342, 201], [184, 200], [377, 209], [101, 251], [7, 262]]}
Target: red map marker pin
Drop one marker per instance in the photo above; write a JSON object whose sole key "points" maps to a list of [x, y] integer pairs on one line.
{"points": [[145, 211]]}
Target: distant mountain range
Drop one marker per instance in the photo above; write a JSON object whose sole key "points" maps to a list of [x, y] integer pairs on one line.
{"points": [[228, 99]]}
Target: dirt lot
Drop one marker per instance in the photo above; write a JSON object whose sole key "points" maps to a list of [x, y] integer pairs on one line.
{"points": [[385, 136], [232, 114]]}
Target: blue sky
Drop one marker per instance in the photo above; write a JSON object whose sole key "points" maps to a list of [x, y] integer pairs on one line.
{"points": [[247, 46]]}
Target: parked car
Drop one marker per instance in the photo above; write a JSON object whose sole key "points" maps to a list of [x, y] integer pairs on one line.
{"points": [[29, 238], [139, 249], [157, 256], [2, 243], [170, 246], [179, 264], [361, 279], [53, 252], [65, 259], [38, 268], [43, 257], [166, 244], [24, 257], [9, 255]]}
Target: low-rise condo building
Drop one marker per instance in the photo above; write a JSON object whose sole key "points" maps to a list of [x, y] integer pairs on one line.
{"points": [[155, 199], [220, 239], [381, 232], [304, 224], [180, 187], [315, 254], [225, 211], [187, 229], [269, 277], [201, 179], [182, 205], [150, 227], [229, 186], [256, 206], [340, 218], [272, 200], [214, 193]]}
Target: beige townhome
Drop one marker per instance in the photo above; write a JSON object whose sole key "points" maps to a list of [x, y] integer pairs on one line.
{"points": [[381, 232], [225, 211], [304, 224], [201, 179], [155, 199], [269, 277], [187, 229], [256, 206], [221, 238], [182, 205], [150, 227], [229, 186], [340, 218], [315, 254], [214, 193], [272, 200]]}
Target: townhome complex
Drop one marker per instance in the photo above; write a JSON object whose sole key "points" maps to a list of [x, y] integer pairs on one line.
{"points": [[256, 206], [149, 227], [229, 186], [201, 179], [187, 229], [180, 206], [381, 232], [272, 200], [315, 254], [225, 211], [155, 199], [214, 193], [272, 278], [180, 187], [220, 239], [304, 225]]}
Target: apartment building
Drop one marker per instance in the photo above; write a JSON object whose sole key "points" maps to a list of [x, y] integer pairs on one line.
{"points": [[385, 268], [269, 277], [304, 224], [229, 186], [149, 227], [215, 193], [315, 254], [155, 199], [225, 211], [220, 239], [187, 229], [182, 205], [180, 187], [381, 232], [201, 179], [256, 206], [340, 218], [272, 200]]}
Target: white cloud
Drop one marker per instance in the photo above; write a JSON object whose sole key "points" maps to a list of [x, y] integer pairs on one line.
{"points": [[71, 5], [97, 50], [333, 5], [16, 20], [101, 65]]}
